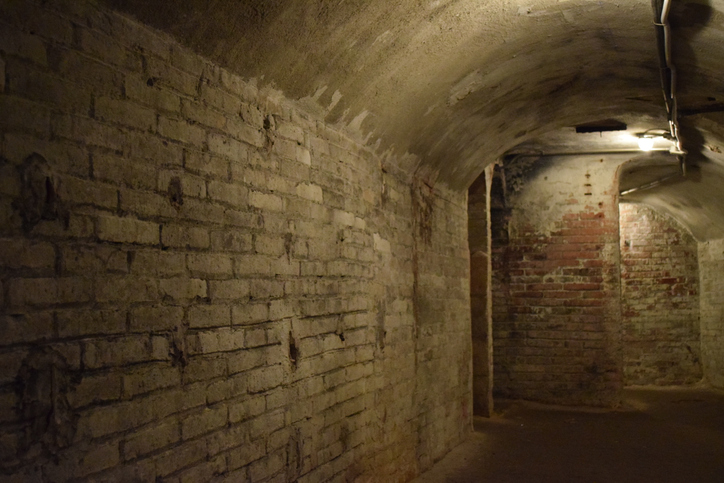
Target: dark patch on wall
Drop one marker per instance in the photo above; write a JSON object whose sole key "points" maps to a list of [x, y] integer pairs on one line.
{"points": [[293, 351], [269, 127], [380, 329], [38, 193], [178, 351], [289, 245], [175, 192], [422, 210], [43, 383], [294, 455]]}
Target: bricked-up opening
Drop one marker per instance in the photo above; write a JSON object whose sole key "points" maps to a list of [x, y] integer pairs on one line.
{"points": [[555, 280], [659, 299]]}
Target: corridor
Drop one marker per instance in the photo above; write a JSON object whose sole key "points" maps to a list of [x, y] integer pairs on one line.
{"points": [[658, 435]]}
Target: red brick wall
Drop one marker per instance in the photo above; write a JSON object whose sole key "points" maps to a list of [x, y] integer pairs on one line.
{"points": [[659, 299], [556, 288]]}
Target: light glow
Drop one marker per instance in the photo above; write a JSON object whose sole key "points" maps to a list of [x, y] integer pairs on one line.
{"points": [[646, 143]]}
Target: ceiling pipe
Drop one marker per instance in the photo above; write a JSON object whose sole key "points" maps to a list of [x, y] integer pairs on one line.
{"points": [[650, 185], [668, 76], [585, 153]]}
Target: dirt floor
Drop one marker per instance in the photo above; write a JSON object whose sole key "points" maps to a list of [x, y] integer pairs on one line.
{"points": [[659, 435]]}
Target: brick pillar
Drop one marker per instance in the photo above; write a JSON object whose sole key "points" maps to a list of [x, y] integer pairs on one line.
{"points": [[480, 292]]}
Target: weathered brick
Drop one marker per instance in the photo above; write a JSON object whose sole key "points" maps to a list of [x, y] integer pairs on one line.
{"points": [[19, 114], [310, 192], [156, 318], [219, 340], [205, 471], [49, 291], [128, 230], [265, 201], [220, 99], [270, 245], [264, 289], [231, 241], [180, 457], [156, 150], [266, 423], [206, 164], [118, 351], [245, 133], [150, 439], [140, 90], [100, 45], [126, 289], [98, 458], [33, 327], [75, 323], [201, 114], [35, 84], [15, 253], [229, 290], [180, 236], [43, 23], [95, 389], [123, 172], [248, 408], [210, 265], [204, 368], [206, 421], [181, 288], [209, 316], [160, 263], [191, 185], [27, 46], [86, 71], [151, 378], [266, 378], [124, 112], [250, 313], [182, 131]]}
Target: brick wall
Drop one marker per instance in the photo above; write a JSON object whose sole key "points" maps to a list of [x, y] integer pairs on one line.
{"points": [[556, 305], [659, 299], [199, 279], [711, 274]]}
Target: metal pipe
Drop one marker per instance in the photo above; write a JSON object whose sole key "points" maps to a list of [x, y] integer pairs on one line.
{"points": [[669, 88], [650, 185], [587, 153]]}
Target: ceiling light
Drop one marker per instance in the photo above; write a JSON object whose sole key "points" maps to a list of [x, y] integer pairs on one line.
{"points": [[646, 143]]}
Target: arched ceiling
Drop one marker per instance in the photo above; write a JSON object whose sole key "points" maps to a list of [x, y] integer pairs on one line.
{"points": [[454, 84]]}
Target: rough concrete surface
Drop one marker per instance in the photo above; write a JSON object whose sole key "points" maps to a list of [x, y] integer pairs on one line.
{"points": [[658, 435], [458, 83]]}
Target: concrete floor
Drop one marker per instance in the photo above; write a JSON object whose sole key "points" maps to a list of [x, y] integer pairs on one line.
{"points": [[657, 436]]}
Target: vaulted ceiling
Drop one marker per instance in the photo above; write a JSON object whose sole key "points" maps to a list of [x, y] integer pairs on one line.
{"points": [[452, 85]]}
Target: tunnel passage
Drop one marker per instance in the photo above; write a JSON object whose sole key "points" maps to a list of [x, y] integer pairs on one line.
{"points": [[240, 228], [581, 276]]}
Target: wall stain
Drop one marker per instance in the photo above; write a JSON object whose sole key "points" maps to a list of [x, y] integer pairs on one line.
{"points": [[43, 383], [39, 193]]}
